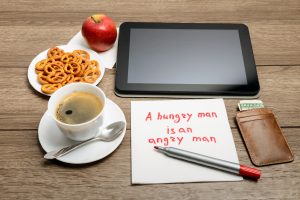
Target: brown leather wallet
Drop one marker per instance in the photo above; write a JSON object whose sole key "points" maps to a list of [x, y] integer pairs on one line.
{"points": [[263, 137]]}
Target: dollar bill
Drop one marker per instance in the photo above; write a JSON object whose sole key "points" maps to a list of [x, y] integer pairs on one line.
{"points": [[250, 104]]}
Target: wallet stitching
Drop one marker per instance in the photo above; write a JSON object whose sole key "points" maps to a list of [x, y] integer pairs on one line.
{"points": [[252, 154], [256, 112], [254, 157], [254, 115], [291, 154], [253, 119], [287, 144]]}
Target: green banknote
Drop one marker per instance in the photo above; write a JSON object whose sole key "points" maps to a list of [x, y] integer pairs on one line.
{"points": [[250, 104]]}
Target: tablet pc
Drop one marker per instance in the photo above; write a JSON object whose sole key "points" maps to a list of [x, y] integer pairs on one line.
{"points": [[185, 59]]}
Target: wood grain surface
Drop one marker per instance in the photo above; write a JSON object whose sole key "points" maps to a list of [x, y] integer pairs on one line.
{"points": [[31, 26]]}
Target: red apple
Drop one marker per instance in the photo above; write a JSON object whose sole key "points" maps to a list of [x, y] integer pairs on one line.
{"points": [[100, 32]]}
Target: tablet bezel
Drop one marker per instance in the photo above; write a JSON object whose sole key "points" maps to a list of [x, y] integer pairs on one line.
{"points": [[123, 88]]}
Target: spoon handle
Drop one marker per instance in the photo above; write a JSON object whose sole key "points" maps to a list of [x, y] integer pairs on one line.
{"points": [[57, 153]]}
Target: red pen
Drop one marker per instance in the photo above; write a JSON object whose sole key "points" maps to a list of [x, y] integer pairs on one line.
{"points": [[211, 162]]}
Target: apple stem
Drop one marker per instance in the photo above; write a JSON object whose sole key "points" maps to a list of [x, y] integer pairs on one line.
{"points": [[96, 18]]}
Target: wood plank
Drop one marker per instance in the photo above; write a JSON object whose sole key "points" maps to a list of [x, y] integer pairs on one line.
{"points": [[22, 43], [160, 9], [280, 90], [26, 175], [33, 26], [276, 43]]}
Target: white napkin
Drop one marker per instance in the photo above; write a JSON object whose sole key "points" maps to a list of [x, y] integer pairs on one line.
{"points": [[108, 58]]}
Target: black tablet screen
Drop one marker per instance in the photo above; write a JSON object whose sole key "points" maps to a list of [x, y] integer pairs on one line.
{"points": [[185, 56]]}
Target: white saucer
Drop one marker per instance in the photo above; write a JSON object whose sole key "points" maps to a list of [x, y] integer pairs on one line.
{"points": [[32, 76], [51, 138]]}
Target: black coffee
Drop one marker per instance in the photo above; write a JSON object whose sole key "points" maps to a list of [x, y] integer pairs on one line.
{"points": [[78, 107]]}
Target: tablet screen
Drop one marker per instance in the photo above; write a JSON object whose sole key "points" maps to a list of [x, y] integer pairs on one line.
{"points": [[185, 59], [185, 56]]}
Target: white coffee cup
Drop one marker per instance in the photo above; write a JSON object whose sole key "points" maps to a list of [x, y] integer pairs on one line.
{"points": [[83, 131]]}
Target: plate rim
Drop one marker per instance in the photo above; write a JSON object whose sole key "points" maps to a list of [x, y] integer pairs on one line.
{"points": [[31, 66]]}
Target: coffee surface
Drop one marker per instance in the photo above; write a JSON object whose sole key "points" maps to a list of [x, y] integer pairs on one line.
{"points": [[78, 107]]}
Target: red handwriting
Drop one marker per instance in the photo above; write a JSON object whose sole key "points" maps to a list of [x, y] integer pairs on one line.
{"points": [[171, 137], [166, 140], [149, 117], [204, 139], [207, 114], [175, 117], [178, 117], [178, 140], [179, 130]]}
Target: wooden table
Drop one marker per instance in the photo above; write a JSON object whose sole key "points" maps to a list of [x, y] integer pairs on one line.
{"points": [[29, 27]]}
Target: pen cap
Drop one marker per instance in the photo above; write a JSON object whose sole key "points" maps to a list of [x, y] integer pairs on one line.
{"points": [[249, 172]]}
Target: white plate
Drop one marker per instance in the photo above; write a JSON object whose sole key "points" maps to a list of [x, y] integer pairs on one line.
{"points": [[51, 138], [32, 76], [108, 57]]}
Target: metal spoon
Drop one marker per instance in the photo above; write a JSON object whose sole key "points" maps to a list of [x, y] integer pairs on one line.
{"points": [[108, 133]]}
